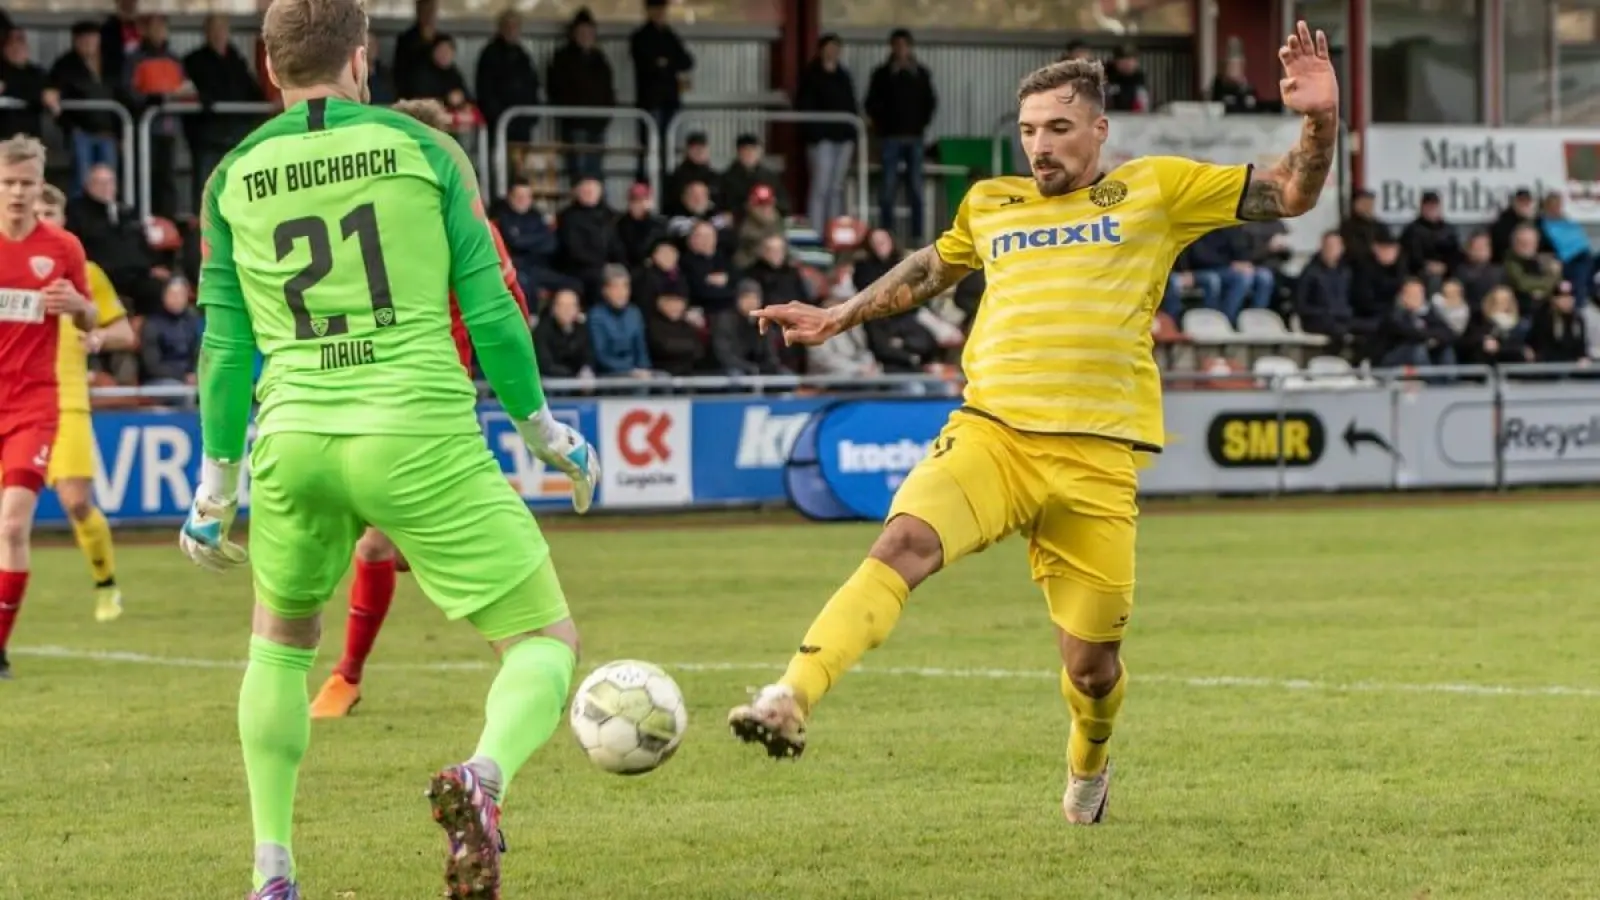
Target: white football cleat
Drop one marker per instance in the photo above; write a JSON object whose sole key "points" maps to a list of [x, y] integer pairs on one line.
{"points": [[1086, 798], [773, 719]]}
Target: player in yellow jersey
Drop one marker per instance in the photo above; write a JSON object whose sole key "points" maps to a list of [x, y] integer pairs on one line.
{"points": [[1062, 395], [72, 461]]}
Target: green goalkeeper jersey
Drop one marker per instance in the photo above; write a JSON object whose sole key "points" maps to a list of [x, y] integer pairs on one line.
{"points": [[340, 230]]}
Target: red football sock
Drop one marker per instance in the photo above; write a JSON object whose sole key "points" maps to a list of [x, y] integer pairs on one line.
{"points": [[370, 596], [12, 586]]}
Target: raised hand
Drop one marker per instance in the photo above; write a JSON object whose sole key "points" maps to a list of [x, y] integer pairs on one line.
{"points": [[1309, 85], [801, 323]]}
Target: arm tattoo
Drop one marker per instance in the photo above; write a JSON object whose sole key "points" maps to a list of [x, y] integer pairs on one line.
{"points": [[1292, 186], [924, 274]]}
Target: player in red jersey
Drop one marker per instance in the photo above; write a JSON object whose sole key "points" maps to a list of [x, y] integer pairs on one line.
{"points": [[376, 560], [42, 278]]}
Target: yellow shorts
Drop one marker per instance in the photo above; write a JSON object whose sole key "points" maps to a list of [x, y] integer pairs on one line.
{"points": [[1074, 496], [73, 455]]}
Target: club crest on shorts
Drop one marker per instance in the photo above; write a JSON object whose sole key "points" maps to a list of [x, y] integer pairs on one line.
{"points": [[1108, 193], [41, 265]]}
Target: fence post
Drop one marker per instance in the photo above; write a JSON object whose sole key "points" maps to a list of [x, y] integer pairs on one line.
{"points": [[502, 130], [182, 108], [863, 178], [1004, 130]]}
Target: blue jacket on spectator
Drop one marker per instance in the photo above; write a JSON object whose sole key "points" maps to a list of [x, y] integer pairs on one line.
{"points": [[529, 238], [1567, 238], [619, 340], [170, 345]]}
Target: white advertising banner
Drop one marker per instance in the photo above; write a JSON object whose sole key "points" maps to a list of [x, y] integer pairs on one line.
{"points": [[1550, 433], [645, 453], [1229, 140], [1475, 170]]}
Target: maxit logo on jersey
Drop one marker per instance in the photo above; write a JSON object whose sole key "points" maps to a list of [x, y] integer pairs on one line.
{"points": [[1104, 230], [646, 452]]}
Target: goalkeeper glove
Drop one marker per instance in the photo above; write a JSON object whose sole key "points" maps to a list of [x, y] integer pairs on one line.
{"points": [[562, 447], [204, 536]]}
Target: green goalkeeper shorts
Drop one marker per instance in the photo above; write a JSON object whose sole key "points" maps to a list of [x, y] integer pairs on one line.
{"points": [[442, 499]]}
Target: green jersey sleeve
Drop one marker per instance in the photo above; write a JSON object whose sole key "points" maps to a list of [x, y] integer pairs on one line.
{"points": [[493, 320], [227, 352]]}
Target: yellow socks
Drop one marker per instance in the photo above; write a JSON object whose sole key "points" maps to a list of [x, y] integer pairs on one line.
{"points": [[858, 618], [1092, 721], [94, 538]]}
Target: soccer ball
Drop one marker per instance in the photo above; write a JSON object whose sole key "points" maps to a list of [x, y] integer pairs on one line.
{"points": [[628, 717]]}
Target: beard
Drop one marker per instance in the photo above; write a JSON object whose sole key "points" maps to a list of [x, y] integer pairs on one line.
{"points": [[1052, 182]]}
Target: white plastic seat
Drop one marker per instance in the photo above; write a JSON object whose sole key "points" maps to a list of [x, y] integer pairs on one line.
{"points": [[1261, 323], [1205, 324], [1328, 365], [1275, 366]]}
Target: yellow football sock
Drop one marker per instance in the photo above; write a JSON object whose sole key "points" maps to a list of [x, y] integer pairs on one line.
{"points": [[858, 617], [1093, 719], [94, 539]]}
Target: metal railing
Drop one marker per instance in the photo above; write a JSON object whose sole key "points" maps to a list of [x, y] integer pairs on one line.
{"points": [[181, 108], [863, 184], [502, 131], [1005, 129], [125, 154]]}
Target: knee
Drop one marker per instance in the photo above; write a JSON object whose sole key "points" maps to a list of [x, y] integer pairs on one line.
{"points": [[78, 509], [14, 531], [1093, 669], [304, 633], [911, 547], [374, 547], [565, 631]]}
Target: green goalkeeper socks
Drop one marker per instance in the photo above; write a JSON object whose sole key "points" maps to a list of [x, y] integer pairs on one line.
{"points": [[274, 729], [524, 704]]}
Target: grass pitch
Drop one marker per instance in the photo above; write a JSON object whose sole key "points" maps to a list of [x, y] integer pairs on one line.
{"points": [[1325, 704]]}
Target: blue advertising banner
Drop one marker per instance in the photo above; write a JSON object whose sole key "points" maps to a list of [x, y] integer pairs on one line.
{"points": [[865, 448], [802, 479], [742, 444]]}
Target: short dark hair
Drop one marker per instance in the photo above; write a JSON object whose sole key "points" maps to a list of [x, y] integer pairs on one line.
{"points": [[901, 34], [1086, 78]]}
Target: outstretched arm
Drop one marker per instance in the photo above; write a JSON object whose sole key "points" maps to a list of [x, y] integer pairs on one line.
{"points": [[917, 279], [1292, 186]]}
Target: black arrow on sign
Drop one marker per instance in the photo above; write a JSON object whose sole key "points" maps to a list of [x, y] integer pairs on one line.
{"points": [[1354, 436]]}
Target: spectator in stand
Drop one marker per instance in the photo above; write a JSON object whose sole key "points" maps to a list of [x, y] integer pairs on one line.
{"points": [[439, 78], [1570, 244], [1361, 230], [580, 75], [1558, 333], [1376, 281], [661, 67], [23, 81], [1232, 88], [1214, 261], [617, 329], [878, 255], [826, 87], [1450, 302], [1534, 278], [695, 206], [659, 275], [706, 266], [1478, 272], [1521, 211], [169, 340], [561, 339], [761, 223], [1259, 283], [677, 345], [1078, 50], [1498, 335], [154, 74], [507, 78], [531, 244], [414, 48], [113, 238], [1413, 334], [694, 166], [1126, 89], [119, 38], [737, 345], [779, 278], [586, 235], [638, 228], [900, 105], [78, 75], [380, 78], [1429, 243], [846, 353], [1268, 247], [747, 171], [220, 74], [1322, 295]]}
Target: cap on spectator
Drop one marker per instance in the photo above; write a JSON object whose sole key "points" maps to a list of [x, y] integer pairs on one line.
{"points": [[638, 191], [747, 140], [900, 34], [761, 195], [696, 139], [1430, 197], [750, 286]]}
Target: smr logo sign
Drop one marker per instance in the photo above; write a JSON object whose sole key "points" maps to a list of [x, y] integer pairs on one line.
{"points": [[1261, 439]]}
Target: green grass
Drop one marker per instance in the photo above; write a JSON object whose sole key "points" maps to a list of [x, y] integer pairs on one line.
{"points": [[122, 780]]}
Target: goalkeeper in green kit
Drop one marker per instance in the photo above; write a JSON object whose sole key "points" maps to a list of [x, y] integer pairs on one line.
{"points": [[333, 237]]}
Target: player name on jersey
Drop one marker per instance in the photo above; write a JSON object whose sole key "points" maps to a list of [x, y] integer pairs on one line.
{"points": [[344, 354], [297, 176]]}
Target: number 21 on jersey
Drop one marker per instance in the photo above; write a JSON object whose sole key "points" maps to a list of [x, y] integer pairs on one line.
{"points": [[360, 223]]}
